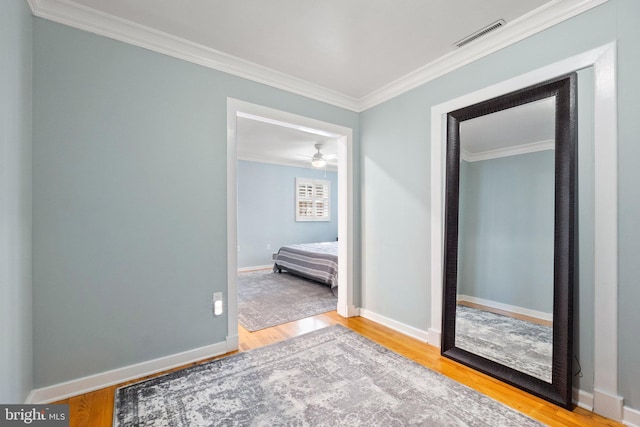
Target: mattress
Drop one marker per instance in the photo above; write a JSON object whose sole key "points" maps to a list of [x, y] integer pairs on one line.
{"points": [[316, 261]]}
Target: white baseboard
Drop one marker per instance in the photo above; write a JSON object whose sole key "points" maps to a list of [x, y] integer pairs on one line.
{"points": [[608, 405], [630, 417], [233, 343], [116, 376], [583, 399], [507, 307], [416, 333], [435, 337], [257, 267], [348, 311]]}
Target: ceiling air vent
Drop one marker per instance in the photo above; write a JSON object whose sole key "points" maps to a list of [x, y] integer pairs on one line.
{"points": [[499, 23]]}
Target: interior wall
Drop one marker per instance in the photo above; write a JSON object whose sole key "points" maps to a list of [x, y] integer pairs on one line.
{"points": [[505, 237], [16, 355], [95, 297], [266, 211], [401, 178], [129, 160], [628, 199]]}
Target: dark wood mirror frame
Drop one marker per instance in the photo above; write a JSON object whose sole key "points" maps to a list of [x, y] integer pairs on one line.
{"points": [[559, 391]]}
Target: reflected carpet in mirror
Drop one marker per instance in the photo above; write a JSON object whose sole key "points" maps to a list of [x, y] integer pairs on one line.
{"points": [[521, 345]]}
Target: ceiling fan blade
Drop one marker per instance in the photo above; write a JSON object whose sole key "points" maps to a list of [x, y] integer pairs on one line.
{"points": [[330, 156]]}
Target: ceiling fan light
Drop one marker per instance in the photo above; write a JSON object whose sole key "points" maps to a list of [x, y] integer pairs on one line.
{"points": [[318, 162]]}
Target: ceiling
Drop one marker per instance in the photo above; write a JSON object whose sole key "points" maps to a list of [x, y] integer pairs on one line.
{"points": [[349, 47], [528, 127], [265, 142], [353, 54]]}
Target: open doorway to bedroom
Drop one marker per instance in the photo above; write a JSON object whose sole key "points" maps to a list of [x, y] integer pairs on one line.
{"points": [[289, 183]]}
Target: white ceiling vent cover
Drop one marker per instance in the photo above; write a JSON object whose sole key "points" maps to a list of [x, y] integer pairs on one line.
{"points": [[491, 27]]}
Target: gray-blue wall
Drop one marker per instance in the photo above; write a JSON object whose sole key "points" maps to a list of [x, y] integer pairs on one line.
{"points": [[129, 189], [628, 34], [395, 179], [266, 211], [505, 251], [16, 356]]}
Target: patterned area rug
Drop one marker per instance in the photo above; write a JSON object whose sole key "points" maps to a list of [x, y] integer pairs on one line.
{"points": [[330, 377], [267, 299], [521, 345]]}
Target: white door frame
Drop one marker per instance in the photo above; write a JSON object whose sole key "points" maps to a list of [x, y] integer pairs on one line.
{"points": [[344, 136], [606, 400]]}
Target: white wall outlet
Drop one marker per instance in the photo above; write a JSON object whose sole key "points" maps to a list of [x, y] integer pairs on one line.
{"points": [[217, 304], [268, 246]]}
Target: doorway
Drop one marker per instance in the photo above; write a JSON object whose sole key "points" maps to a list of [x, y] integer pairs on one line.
{"points": [[236, 110]]}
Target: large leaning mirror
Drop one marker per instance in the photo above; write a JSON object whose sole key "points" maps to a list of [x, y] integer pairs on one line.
{"points": [[509, 237]]}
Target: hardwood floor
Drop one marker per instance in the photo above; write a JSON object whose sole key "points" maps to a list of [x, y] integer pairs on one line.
{"points": [[96, 408], [506, 313]]}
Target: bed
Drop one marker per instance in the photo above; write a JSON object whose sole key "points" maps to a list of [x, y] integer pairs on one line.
{"points": [[315, 261]]}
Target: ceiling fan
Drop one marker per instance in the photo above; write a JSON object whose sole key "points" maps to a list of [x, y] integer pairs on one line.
{"points": [[319, 160]]}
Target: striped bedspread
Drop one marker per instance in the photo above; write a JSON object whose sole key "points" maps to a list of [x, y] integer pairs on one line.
{"points": [[316, 261]]}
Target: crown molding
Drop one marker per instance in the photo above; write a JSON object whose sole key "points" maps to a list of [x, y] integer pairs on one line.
{"points": [[249, 157], [508, 151], [88, 19], [527, 25]]}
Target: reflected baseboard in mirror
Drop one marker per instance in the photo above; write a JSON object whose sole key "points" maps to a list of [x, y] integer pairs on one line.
{"points": [[509, 237]]}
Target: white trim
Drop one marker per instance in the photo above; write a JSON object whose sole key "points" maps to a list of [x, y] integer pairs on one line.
{"points": [[33, 5], [608, 404], [232, 219], [287, 125], [85, 18], [416, 333], [603, 60], [345, 305], [534, 22], [631, 417], [508, 151], [305, 164], [605, 153], [346, 242], [434, 337], [256, 267], [233, 343], [351, 311], [88, 19], [116, 376], [507, 307], [582, 399]]}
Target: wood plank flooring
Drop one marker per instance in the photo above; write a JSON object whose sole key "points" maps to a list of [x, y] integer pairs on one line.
{"points": [[506, 313], [95, 409]]}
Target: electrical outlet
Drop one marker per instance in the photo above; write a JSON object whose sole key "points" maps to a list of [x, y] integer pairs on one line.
{"points": [[268, 246], [217, 304]]}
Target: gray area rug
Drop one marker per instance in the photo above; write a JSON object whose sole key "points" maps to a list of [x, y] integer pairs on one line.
{"points": [[267, 299], [518, 344], [330, 377]]}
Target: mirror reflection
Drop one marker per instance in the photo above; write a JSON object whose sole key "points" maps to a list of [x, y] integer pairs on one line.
{"points": [[506, 237]]}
